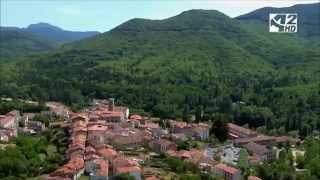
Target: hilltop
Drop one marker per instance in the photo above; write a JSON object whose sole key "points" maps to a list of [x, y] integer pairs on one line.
{"points": [[197, 61]]}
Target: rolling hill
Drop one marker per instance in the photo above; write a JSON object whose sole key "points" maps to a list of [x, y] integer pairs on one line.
{"points": [[36, 38], [199, 57], [308, 18], [15, 43]]}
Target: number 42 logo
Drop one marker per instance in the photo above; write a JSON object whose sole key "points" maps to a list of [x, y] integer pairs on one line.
{"points": [[283, 22]]}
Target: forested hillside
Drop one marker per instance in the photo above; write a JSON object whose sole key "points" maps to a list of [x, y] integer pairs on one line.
{"points": [[14, 43], [199, 62], [36, 38]]}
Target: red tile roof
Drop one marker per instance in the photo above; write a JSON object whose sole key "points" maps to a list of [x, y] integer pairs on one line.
{"points": [[102, 169], [225, 168], [254, 178], [127, 169]]}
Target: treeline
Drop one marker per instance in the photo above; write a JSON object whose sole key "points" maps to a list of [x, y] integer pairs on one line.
{"points": [[271, 105], [7, 106], [33, 155], [284, 168]]}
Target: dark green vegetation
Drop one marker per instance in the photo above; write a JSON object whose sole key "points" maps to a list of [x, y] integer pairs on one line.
{"points": [[33, 155], [283, 168], [15, 44], [6, 106], [123, 176], [57, 34], [308, 23], [183, 170], [36, 38], [199, 62]]}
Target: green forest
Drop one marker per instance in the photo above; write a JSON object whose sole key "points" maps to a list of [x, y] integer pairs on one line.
{"points": [[183, 66]]}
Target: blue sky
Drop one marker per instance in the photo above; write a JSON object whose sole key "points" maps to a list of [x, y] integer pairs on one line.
{"points": [[91, 15]]}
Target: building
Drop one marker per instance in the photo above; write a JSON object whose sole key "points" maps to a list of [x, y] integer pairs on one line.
{"points": [[236, 132], [124, 165], [10, 120], [260, 139], [254, 178], [261, 152], [6, 135], [36, 126], [162, 145], [100, 170], [200, 131], [228, 172], [72, 170]]}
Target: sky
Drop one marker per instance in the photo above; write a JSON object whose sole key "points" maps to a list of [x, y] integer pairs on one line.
{"points": [[103, 15]]}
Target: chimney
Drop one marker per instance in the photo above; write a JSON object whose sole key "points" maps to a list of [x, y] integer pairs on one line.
{"points": [[111, 104]]}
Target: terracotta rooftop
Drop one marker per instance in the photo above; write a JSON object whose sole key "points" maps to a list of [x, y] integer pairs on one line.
{"points": [[254, 178], [103, 167], [107, 152], [254, 139], [136, 117], [241, 129], [225, 168], [97, 128], [255, 148], [128, 169]]}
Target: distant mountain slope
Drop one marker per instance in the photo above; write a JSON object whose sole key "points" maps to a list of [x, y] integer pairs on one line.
{"points": [[41, 37], [15, 43], [308, 17], [57, 34], [160, 65]]}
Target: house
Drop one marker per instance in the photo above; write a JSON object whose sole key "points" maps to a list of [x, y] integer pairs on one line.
{"points": [[227, 172], [260, 139], [128, 140], [10, 120], [177, 127], [124, 165], [96, 134], [236, 132], [36, 126], [58, 109], [107, 153], [72, 170], [162, 145], [112, 116], [260, 151], [254, 178], [179, 137], [26, 118], [123, 110], [131, 170], [200, 131], [79, 117], [100, 170], [200, 158], [6, 135]]}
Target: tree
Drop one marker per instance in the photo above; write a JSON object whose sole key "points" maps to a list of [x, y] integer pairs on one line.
{"points": [[243, 159], [220, 127], [186, 113], [199, 113], [123, 176]]}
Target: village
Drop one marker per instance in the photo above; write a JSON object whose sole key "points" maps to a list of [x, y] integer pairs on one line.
{"points": [[105, 140]]}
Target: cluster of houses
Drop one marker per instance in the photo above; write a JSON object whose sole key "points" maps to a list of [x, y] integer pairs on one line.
{"points": [[100, 134], [9, 125], [91, 149], [261, 147]]}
